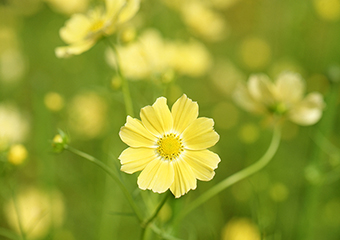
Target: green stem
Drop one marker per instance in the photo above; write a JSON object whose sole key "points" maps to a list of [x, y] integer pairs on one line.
{"points": [[313, 189], [125, 83], [162, 234], [154, 215], [261, 163], [112, 175]]}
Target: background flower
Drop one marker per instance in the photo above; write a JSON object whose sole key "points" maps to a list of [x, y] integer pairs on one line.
{"points": [[284, 98], [82, 31]]}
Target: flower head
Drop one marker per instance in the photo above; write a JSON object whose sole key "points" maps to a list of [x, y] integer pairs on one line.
{"points": [[35, 212], [153, 56], [284, 98], [82, 31], [17, 154], [169, 147]]}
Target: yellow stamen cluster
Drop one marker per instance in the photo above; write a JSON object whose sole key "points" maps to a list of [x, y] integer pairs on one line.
{"points": [[169, 146], [97, 26]]}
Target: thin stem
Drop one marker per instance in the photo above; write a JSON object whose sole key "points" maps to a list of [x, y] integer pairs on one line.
{"points": [[125, 84], [313, 189], [257, 166], [154, 215], [162, 234], [112, 175]]}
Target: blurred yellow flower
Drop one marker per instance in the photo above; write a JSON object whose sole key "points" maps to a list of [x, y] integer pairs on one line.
{"points": [[141, 59], [204, 21], [38, 211], [13, 125], [152, 56], [54, 101], [17, 154], [240, 229], [170, 148], [328, 10], [13, 64], [82, 31], [191, 59], [225, 75], [69, 6], [88, 114], [284, 98]]}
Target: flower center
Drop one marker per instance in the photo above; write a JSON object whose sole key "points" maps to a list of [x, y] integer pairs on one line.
{"points": [[169, 146], [98, 25], [278, 108]]}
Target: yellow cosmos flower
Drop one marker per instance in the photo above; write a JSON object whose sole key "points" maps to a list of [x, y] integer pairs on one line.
{"points": [[169, 147], [283, 98], [82, 31]]}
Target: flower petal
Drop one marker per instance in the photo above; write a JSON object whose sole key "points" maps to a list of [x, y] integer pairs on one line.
{"points": [[309, 110], [157, 176], [184, 178], [243, 98], [184, 112], [202, 163], [75, 29], [129, 10], [289, 87], [157, 118], [136, 159], [200, 134], [75, 49], [261, 89], [134, 134], [113, 7]]}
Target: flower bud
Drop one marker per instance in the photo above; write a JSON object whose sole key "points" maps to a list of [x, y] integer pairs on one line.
{"points": [[59, 142]]}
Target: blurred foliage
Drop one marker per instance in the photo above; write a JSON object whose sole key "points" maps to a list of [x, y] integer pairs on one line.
{"points": [[40, 94]]}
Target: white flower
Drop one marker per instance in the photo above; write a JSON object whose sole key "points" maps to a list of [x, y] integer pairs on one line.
{"points": [[283, 98]]}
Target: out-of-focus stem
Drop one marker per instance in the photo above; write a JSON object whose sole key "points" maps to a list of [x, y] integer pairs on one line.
{"points": [[257, 166], [125, 84], [146, 223], [308, 219], [112, 175]]}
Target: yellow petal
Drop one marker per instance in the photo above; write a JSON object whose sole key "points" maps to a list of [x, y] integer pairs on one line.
{"points": [[184, 112], [157, 176], [289, 87], [184, 178], [261, 89], [202, 163], [157, 118], [75, 29], [136, 159], [76, 49], [308, 111], [200, 134], [134, 134], [113, 7], [129, 10]]}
